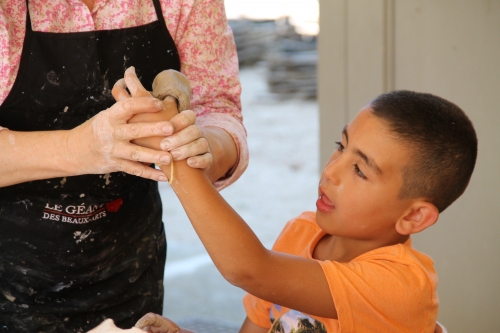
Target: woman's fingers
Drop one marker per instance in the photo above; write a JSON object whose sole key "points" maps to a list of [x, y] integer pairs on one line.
{"points": [[125, 109], [140, 170], [119, 90], [134, 85], [201, 161], [188, 141], [193, 148], [183, 137], [182, 119], [132, 131], [131, 152]]}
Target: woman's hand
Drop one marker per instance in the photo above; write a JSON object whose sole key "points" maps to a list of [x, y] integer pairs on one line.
{"points": [[102, 144], [154, 323], [186, 141]]}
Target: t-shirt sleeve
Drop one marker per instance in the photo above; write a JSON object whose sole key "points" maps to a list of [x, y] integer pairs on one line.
{"points": [[258, 310], [382, 295]]}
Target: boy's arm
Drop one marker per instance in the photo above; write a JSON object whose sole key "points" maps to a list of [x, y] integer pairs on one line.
{"points": [[291, 281], [294, 282]]}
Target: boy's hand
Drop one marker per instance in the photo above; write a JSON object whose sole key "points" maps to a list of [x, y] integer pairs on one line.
{"points": [[154, 323]]}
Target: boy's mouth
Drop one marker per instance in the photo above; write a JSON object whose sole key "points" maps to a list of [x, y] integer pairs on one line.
{"points": [[324, 204]]}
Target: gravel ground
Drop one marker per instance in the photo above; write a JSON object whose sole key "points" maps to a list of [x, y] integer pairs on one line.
{"points": [[280, 183]]}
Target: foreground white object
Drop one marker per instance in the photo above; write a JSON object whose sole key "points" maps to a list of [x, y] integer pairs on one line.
{"points": [[109, 326]]}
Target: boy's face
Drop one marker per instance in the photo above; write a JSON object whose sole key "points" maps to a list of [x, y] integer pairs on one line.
{"points": [[359, 187]]}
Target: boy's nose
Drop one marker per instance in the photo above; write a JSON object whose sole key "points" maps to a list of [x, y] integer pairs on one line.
{"points": [[333, 171]]}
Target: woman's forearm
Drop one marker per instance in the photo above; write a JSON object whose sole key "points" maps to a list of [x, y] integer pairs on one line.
{"points": [[28, 156], [98, 146]]}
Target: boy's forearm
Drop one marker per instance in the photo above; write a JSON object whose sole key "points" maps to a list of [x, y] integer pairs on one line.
{"points": [[220, 228], [234, 248]]}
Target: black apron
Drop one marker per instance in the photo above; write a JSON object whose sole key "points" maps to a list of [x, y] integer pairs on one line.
{"points": [[77, 250]]}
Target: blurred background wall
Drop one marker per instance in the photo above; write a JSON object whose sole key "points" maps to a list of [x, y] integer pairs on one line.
{"points": [[450, 48]]}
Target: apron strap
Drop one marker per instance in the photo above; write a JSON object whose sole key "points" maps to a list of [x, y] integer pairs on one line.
{"points": [[159, 13]]}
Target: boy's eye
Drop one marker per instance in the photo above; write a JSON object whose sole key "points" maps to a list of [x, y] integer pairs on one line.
{"points": [[340, 146], [359, 172]]}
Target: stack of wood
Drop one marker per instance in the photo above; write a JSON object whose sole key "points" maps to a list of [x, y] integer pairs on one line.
{"points": [[252, 38], [291, 59]]}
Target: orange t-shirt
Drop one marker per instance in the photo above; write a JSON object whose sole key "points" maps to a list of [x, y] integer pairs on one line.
{"points": [[390, 289]]}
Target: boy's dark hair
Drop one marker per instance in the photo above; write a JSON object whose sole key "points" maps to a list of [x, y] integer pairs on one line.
{"points": [[443, 141]]}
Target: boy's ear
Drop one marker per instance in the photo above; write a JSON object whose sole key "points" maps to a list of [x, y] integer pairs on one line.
{"points": [[419, 216]]}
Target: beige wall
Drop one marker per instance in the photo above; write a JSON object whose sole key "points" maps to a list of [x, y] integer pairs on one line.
{"points": [[450, 48]]}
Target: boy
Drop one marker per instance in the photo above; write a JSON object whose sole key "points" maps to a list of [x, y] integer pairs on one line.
{"points": [[350, 266]]}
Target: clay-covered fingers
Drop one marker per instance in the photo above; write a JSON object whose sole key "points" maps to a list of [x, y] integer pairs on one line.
{"points": [[125, 109], [130, 152], [133, 131], [129, 86], [119, 91], [185, 143], [181, 120], [102, 144], [157, 324], [188, 142], [133, 84], [140, 169]]}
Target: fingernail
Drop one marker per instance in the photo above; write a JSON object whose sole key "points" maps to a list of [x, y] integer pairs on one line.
{"points": [[167, 129], [159, 104], [175, 154], [162, 179], [165, 145], [165, 159]]}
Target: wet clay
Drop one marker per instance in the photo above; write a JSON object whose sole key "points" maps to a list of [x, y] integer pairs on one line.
{"points": [[173, 83]]}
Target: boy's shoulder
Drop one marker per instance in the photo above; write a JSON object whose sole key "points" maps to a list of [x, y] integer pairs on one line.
{"points": [[299, 234]]}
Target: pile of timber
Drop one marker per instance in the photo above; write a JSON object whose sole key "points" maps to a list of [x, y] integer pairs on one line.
{"points": [[290, 58], [252, 38]]}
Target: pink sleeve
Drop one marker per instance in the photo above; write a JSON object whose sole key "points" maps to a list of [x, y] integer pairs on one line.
{"points": [[208, 58]]}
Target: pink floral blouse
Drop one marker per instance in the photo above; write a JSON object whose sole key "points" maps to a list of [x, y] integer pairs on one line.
{"points": [[198, 27]]}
